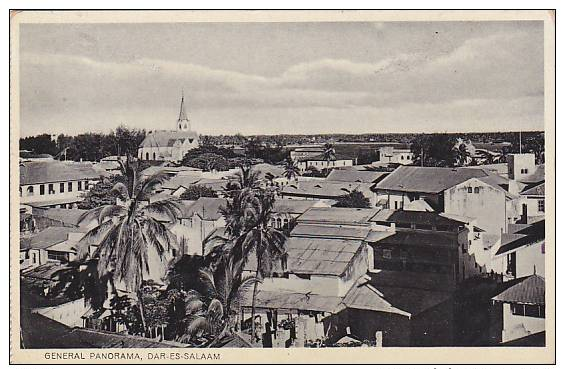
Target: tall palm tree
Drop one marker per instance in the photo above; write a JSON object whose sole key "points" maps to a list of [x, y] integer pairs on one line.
{"points": [[462, 154], [249, 235], [128, 230], [328, 154], [290, 169]]}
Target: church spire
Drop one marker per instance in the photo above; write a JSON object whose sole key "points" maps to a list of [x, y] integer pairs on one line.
{"points": [[183, 124]]}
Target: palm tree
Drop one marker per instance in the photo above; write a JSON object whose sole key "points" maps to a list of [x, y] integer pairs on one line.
{"points": [[249, 235], [128, 230], [290, 169], [328, 154], [461, 154]]}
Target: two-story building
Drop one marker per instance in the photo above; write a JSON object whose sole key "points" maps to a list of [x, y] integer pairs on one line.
{"points": [[55, 184]]}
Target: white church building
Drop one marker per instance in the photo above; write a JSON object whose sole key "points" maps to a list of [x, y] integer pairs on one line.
{"points": [[170, 145]]}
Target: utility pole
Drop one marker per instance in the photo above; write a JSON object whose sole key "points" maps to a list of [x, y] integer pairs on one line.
{"points": [[520, 140]]}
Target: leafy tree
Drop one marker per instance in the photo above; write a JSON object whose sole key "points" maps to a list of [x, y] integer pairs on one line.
{"points": [[195, 192], [354, 199], [40, 144], [127, 230], [101, 194], [208, 162], [434, 150], [329, 153], [314, 172], [462, 155]]}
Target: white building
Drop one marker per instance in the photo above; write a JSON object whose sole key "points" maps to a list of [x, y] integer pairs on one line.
{"points": [[170, 145]]}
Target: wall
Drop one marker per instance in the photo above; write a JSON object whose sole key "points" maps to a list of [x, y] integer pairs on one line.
{"points": [[521, 165], [517, 326], [488, 206], [25, 198], [527, 258], [68, 314]]}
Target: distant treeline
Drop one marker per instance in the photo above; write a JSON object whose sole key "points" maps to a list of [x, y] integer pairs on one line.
{"points": [[86, 146]]}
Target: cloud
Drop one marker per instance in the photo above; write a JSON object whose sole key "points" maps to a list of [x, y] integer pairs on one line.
{"points": [[480, 77]]}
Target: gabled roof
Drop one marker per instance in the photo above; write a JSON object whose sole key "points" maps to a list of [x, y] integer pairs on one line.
{"points": [[182, 180], [167, 138], [363, 296], [37, 172], [207, 208], [325, 189], [351, 175], [427, 179], [416, 217], [523, 236], [291, 300], [336, 156], [420, 239], [338, 215], [529, 290]]}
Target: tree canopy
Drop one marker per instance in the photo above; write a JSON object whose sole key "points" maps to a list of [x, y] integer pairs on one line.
{"points": [[354, 199]]}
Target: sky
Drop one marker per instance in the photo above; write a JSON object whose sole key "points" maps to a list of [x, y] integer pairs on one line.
{"points": [[273, 78]]}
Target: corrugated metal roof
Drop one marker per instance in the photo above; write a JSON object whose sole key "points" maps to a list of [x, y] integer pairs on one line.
{"points": [[420, 238], [530, 290], [292, 206], [166, 138], [208, 208], [48, 237], [66, 216], [538, 190], [523, 236], [363, 296], [427, 179], [322, 256], [292, 301]]}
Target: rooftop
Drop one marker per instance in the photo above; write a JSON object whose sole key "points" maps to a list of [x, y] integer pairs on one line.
{"points": [[66, 216], [352, 175], [537, 176], [37, 172], [292, 206], [325, 189], [427, 179], [207, 208], [167, 138], [293, 301], [321, 256], [526, 290], [538, 190], [46, 238], [415, 217], [332, 231], [338, 215], [523, 236]]}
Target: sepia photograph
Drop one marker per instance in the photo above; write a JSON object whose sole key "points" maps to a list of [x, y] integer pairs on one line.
{"points": [[185, 182]]}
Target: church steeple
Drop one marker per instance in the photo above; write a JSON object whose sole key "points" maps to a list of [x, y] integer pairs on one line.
{"points": [[183, 124]]}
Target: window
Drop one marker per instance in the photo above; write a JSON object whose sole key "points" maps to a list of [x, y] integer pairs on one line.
{"points": [[34, 258], [51, 189], [541, 205], [535, 311], [86, 185], [470, 189], [524, 171], [79, 184], [57, 255], [154, 156], [476, 189], [401, 157], [30, 190], [70, 186], [147, 155], [61, 187], [42, 189], [387, 254], [279, 223]]}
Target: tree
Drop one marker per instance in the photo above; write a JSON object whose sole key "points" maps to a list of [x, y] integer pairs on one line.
{"points": [[434, 150], [461, 153], [208, 162], [328, 153], [101, 194], [290, 169], [40, 144], [195, 192], [126, 231], [354, 199]]}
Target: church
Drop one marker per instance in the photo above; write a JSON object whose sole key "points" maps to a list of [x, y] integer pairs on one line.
{"points": [[170, 145]]}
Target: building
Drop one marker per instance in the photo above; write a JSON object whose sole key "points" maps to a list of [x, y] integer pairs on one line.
{"points": [[285, 211], [170, 145], [356, 176], [55, 184], [399, 155], [320, 163], [54, 244], [306, 151], [521, 251], [523, 307], [320, 189]]}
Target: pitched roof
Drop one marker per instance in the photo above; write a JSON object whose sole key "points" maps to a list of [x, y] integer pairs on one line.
{"points": [[291, 300], [351, 175], [427, 179], [420, 238], [338, 215], [185, 180], [538, 190], [332, 231], [167, 138], [415, 217], [336, 156], [321, 256], [523, 236], [325, 189], [529, 290], [66, 216], [46, 271], [537, 176], [292, 206], [363, 296], [55, 171], [48, 237], [207, 208]]}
